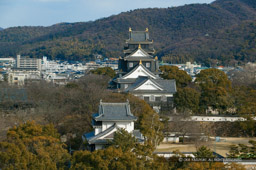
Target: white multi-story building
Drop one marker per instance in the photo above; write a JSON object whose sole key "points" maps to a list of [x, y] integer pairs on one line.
{"points": [[18, 76], [28, 63], [25, 69], [110, 118], [50, 66]]}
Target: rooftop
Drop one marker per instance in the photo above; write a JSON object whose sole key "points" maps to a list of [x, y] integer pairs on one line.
{"points": [[114, 111], [140, 68], [167, 85], [108, 134], [139, 36], [140, 54]]}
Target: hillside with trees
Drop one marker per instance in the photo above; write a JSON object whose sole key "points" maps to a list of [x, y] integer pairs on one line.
{"points": [[221, 32], [45, 129]]}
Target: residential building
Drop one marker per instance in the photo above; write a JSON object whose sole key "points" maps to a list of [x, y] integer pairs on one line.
{"points": [[19, 76], [7, 61], [25, 69], [59, 79], [25, 62]]}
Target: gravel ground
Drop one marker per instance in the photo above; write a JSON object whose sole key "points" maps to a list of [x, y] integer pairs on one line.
{"points": [[221, 147]]}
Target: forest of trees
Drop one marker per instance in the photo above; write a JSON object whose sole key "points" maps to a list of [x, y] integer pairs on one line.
{"points": [[76, 102], [213, 90], [33, 146], [41, 125], [32, 129], [220, 33]]}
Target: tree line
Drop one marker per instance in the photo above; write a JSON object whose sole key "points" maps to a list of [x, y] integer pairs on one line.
{"points": [[66, 110], [219, 33], [33, 146], [214, 91]]}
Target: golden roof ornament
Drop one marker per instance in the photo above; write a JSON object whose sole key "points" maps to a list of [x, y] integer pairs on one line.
{"points": [[139, 46], [130, 29], [146, 29], [140, 62], [156, 58]]}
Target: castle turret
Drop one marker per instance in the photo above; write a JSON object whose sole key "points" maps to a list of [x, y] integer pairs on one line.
{"points": [[137, 48]]}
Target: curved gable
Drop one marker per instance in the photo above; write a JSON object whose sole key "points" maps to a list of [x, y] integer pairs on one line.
{"points": [[139, 53], [149, 85], [139, 71]]}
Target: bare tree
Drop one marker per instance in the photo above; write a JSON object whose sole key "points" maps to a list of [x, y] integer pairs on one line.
{"points": [[182, 124], [244, 75]]}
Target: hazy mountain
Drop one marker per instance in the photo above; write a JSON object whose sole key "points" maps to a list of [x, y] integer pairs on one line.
{"points": [[224, 30]]}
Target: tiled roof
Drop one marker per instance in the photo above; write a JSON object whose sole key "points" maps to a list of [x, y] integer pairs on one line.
{"points": [[144, 68], [114, 111], [168, 86], [139, 52], [139, 36], [137, 83], [91, 138], [94, 139], [132, 58], [89, 135], [120, 80], [131, 50]]}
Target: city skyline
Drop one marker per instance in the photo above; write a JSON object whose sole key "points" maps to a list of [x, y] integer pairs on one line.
{"points": [[49, 12]]}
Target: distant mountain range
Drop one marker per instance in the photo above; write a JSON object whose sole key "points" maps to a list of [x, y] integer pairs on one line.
{"points": [[222, 32], [1, 28]]}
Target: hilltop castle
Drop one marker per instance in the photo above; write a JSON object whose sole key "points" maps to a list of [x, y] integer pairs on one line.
{"points": [[139, 72]]}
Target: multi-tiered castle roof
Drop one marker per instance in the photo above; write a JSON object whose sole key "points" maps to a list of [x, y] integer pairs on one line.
{"points": [[139, 71]]}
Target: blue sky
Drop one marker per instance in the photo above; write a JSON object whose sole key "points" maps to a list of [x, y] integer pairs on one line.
{"points": [[49, 12]]}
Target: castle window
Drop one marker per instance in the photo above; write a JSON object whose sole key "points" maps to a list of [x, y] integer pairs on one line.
{"points": [[158, 99], [147, 65], [146, 98], [130, 65]]}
